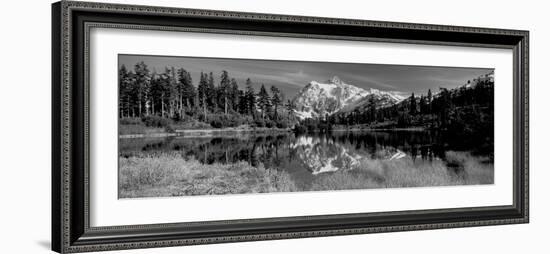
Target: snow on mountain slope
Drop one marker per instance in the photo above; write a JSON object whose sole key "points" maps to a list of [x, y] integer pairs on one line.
{"points": [[379, 98], [319, 99]]}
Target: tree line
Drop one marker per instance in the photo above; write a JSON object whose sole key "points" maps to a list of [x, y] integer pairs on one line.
{"points": [[173, 95]]}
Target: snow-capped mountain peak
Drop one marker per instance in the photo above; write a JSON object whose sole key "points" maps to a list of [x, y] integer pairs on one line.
{"points": [[319, 99]]}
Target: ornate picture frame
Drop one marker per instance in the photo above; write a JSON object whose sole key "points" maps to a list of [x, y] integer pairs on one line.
{"points": [[71, 229]]}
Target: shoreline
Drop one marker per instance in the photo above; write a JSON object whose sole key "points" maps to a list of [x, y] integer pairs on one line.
{"points": [[382, 129], [206, 133], [212, 133]]}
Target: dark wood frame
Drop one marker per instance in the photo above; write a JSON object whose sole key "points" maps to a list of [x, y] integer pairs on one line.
{"points": [[71, 22]]}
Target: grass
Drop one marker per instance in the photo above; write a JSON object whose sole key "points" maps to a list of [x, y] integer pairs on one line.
{"points": [[168, 174], [171, 175], [409, 173]]}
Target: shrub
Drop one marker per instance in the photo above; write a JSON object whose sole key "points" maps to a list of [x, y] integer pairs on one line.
{"points": [[177, 117], [130, 121], [230, 120], [216, 123], [200, 116], [260, 123], [156, 121], [269, 124], [169, 129], [300, 128], [190, 124], [233, 120], [282, 125]]}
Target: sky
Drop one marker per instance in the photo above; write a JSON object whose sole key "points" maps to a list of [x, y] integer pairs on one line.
{"points": [[291, 76]]}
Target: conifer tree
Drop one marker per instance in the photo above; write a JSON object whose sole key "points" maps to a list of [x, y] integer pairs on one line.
{"points": [[412, 105], [224, 89], [250, 97], [289, 108], [141, 85], [263, 101], [211, 92], [234, 94], [242, 105], [276, 100], [124, 88], [203, 93], [422, 105], [429, 101]]}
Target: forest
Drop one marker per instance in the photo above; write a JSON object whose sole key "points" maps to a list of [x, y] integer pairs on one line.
{"points": [[171, 98]]}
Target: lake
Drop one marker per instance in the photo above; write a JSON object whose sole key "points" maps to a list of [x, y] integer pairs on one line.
{"points": [[387, 158]]}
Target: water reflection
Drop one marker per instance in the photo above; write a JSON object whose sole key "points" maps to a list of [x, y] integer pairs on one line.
{"points": [[313, 153], [339, 160]]}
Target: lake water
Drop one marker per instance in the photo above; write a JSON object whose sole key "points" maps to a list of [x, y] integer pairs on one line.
{"points": [[309, 156]]}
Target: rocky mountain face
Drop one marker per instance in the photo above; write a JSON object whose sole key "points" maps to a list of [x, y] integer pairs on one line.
{"points": [[319, 99]]}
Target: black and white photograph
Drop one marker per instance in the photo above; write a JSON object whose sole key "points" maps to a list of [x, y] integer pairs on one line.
{"points": [[274, 127], [212, 126]]}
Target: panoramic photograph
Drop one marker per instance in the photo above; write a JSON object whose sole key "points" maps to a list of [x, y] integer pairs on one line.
{"points": [[213, 126]]}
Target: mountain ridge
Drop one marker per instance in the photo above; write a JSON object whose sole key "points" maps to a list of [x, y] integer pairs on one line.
{"points": [[318, 99]]}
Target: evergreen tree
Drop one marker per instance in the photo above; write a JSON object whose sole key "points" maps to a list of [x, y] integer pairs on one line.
{"points": [[263, 101], [224, 89], [141, 85], [250, 97], [172, 92], [242, 105], [180, 85], [155, 92], [372, 110], [203, 94], [187, 92], [160, 86], [276, 100], [211, 92], [234, 94], [443, 107], [422, 106], [125, 88], [429, 101], [412, 105], [289, 108]]}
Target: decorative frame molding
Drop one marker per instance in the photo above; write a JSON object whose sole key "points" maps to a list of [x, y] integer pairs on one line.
{"points": [[71, 22]]}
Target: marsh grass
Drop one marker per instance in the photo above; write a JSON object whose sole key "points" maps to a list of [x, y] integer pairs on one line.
{"points": [[172, 175], [371, 173], [169, 174], [477, 170]]}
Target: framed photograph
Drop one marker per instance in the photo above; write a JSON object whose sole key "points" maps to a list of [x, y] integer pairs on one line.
{"points": [[182, 126]]}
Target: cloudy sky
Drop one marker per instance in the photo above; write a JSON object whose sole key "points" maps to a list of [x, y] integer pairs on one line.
{"points": [[291, 76]]}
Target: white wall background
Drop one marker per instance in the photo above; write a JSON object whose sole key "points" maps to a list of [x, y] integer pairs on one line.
{"points": [[25, 125]]}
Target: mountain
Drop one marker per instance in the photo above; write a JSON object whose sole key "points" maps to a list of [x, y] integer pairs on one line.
{"points": [[379, 98], [319, 99]]}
